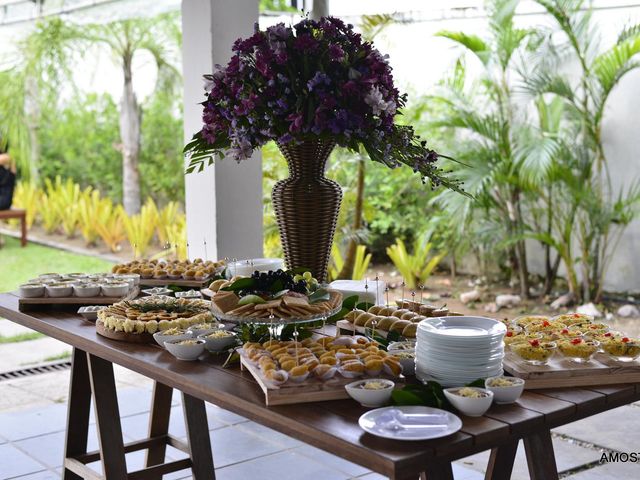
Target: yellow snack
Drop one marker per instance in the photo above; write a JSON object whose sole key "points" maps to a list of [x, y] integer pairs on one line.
{"points": [[534, 351]]}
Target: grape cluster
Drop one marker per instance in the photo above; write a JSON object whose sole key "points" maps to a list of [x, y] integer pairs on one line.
{"points": [[265, 280]]}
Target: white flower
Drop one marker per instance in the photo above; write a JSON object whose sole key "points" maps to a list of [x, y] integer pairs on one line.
{"points": [[378, 105]]}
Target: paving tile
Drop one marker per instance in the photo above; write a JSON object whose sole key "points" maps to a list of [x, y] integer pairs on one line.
{"points": [[32, 422], [15, 355], [53, 386], [332, 461], [610, 471], [135, 427], [49, 449], [598, 429], [232, 445], [15, 463], [281, 466], [568, 456], [44, 475], [9, 328], [373, 476], [223, 415], [15, 399], [270, 434]]}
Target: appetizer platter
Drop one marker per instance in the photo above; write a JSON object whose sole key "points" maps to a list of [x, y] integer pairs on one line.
{"points": [[76, 289], [402, 319], [182, 273], [136, 321], [315, 369], [277, 297], [569, 350]]}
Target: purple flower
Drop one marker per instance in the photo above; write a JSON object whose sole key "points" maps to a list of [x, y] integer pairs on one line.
{"points": [[318, 79], [305, 42], [336, 53], [296, 120], [241, 149], [378, 105]]}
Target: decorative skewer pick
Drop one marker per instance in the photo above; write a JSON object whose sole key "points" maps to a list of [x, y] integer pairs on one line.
{"points": [[271, 317], [206, 257], [324, 323], [386, 292], [402, 284], [353, 332], [135, 251], [373, 329], [421, 293], [413, 299], [188, 257], [295, 340], [377, 290], [366, 290]]}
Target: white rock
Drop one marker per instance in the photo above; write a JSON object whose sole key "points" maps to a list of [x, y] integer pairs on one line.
{"points": [[468, 297], [491, 307], [628, 310], [503, 301], [609, 316], [562, 301], [589, 309]]}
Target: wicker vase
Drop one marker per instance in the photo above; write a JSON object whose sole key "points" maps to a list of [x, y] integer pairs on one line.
{"points": [[306, 206]]}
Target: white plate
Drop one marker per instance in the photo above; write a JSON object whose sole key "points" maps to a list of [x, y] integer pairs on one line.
{"points": [[424, 377], [468, 327], [370, 423]]}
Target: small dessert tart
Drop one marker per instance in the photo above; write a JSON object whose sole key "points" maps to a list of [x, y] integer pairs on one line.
{"points": [[525, 320], [521, 337], [578, 349], [535, 352], [564, 334], [591, 328], [573, 318], [544, 326], [622, 349]]}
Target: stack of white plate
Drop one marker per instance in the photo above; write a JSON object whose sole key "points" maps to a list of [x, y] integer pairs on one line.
{"points": [[455, 351]]}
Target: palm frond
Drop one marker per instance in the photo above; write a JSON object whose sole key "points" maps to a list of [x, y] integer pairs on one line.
{"points": [[373, 25], [629, 32], [473, 43]]}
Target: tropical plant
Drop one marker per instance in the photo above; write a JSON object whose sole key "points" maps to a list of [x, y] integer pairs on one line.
{"points": [[177, 237], [110, 227], [92, 210], [488, 115], [166, 219], [362, 259], [417, 266], [28, 196], [140, 229]]}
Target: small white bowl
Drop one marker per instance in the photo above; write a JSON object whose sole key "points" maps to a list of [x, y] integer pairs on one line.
{"points": [[86, 289], [59, 290], [198, 330], [132, 279], [473, 407], [50, 275], [220, 343], [157, 291], [370, 398], [114, 289], [160, 337], [185, 352], [77, 276], [507, 394], [407, 345], [31, 290]]}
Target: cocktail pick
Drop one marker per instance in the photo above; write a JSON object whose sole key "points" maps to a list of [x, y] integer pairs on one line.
{"points": [[324, 323], [353, 331], [377, 289], [373, 329], [295, 341], [366, 289], [421, 293], [188, 256], [206, 257], [235, 266], [135, 251], [386, 292], [413, 298], [402, 284], [271, 317]]}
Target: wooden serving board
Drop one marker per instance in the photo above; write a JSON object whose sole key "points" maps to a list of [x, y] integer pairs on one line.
{"points": [[123, 336], [311, 390], [560, 372], [178, 282], [345, 327], [24, 304]]}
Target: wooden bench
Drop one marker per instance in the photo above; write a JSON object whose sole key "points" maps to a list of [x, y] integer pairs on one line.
{"points": [[22, 215]]}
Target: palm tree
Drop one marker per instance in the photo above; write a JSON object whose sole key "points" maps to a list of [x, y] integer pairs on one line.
{"points": [[125, 38], [489, 120], [600, 214]]}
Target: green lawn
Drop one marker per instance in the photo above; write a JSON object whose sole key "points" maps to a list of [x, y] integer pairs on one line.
{"points": [[17, 264]]}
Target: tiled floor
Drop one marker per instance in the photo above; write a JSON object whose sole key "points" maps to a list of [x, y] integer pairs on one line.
{"points": [[32, 439]]}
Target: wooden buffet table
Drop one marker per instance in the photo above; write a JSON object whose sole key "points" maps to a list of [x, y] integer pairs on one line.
{"points": [[331, 426]]}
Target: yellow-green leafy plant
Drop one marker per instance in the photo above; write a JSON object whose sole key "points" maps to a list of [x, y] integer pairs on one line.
{"points": [[92, 211], [110, 227], [28, 196], [166, 218], [361, 263], [63, 197], [140, 229], [415, 267], [177, 237]]}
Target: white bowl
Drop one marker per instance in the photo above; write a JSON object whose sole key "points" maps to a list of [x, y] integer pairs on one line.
{"points": [[473, 407], [49, 275], [370, 398], [160, 337], [220, 343], [185, 352], [114, 289], [407, 345], [131, 278], [506, 394], [59, 290], [196, 330], [31, 290], [86, 289], [157, 291]]}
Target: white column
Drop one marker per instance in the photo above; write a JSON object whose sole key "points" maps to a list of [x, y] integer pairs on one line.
{"points": [[224, 202]]}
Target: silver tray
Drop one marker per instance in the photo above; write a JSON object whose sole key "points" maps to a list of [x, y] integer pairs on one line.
{"points": [[276, 320]]}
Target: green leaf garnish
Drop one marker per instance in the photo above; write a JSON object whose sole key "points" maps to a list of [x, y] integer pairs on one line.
{"points": [[319, 295]]}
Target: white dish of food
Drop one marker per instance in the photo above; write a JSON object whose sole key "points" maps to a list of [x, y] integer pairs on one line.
{"points": [[411, 423]]}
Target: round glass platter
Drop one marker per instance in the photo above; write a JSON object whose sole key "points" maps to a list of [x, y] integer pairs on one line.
{"points": [[275, 320]]}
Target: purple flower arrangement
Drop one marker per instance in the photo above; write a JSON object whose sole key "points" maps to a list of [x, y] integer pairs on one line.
{"points": [[316, 79]]}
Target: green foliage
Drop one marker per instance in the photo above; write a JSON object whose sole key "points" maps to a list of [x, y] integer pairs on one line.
{"points": [[417, 266], [361, 263]]}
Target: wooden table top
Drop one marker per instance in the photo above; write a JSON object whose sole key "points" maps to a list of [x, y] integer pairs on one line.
{"points": [[331, 426]]}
